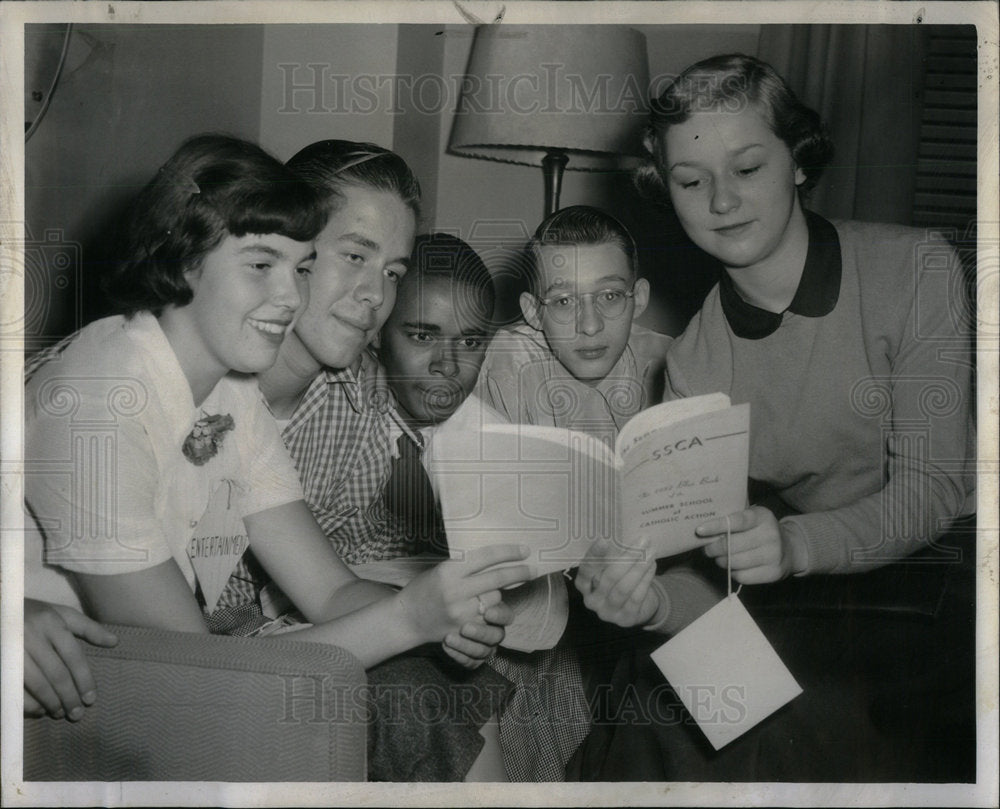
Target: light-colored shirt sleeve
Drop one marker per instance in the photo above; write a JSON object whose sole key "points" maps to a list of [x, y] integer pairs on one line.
{"points": [[929, 477], [916, 335], [501, 377], [91, 482]]}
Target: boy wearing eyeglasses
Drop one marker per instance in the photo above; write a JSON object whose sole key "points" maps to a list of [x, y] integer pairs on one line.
{"points": [[578, 360]]}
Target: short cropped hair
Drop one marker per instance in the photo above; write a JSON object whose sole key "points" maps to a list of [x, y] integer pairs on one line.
{"points": [[441, 255], [732, 82], [329, 165], [578, 225], [213, 185]]}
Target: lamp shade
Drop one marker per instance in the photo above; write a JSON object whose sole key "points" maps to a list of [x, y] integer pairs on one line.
{"points": [[576, 89]]}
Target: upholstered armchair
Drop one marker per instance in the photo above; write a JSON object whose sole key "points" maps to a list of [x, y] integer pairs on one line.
{"points": [[179, 706]]}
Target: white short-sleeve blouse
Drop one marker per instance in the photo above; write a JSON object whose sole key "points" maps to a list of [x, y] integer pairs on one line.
{"points": [[105, 475]]}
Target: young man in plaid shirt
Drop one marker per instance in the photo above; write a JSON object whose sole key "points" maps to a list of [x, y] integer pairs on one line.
{"points": [[339, 421]]}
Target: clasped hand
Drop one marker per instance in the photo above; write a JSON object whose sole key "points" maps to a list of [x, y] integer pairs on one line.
{"points": [[619, 590], [458, 602], [617, 587]]}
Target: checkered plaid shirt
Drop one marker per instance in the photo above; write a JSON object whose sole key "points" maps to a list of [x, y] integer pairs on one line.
{"points": [[341, 439]]}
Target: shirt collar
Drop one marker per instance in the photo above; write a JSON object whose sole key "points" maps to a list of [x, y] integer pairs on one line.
{"points": [[318, 393], [365, 392], [362, 389], [167, 377], [170, 384], [380, 397], [398, 427], [816, 295]]}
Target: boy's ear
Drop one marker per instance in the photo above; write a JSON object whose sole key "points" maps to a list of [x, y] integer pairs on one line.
{"points": [[641, 297], [531, 310]]}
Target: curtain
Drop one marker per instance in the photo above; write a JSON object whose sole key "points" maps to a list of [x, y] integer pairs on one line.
{"points": [[866, 82]]}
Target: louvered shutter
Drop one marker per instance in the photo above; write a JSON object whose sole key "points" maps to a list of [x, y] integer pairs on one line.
{"points": [[945, 194]]}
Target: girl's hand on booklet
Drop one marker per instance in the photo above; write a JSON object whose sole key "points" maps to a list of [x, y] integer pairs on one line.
{"points": [[457, 592], [618, 589], [477, 641], [760, 551]]}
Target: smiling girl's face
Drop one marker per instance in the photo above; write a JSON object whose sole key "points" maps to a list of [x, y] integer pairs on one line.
{"points": [[246, 293], [733, 184]]}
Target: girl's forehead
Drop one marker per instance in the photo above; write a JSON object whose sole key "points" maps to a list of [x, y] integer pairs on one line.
{"points": [[276, 245], [717, 130]]}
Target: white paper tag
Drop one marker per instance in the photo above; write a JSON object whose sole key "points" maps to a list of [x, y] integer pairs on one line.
{"points": [[218, 542], [725, 672]]}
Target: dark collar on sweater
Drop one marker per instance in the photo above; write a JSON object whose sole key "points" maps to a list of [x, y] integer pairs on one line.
{"points": [[816, 295]]}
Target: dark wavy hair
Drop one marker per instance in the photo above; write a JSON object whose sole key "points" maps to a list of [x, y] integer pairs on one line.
{"points": [[731, 82], [578, 224], [329, 165], [213, 185], [441, 255]]}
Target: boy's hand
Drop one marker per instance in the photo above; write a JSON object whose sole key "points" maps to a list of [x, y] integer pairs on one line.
{"points": [[57, 679], [618, 590], [457, 592], [760, 551], [477, 641]]}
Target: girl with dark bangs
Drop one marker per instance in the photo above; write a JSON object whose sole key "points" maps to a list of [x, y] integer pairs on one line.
{"points": [[153, 519]]}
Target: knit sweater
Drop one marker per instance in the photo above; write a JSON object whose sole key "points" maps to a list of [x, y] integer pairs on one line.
{"points": [[860, 392]]}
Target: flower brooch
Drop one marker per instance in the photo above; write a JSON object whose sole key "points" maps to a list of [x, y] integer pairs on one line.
{"points": [[203, 442]]}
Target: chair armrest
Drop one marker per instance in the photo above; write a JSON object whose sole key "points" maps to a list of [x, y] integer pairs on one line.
{"points": [[181, 706]]}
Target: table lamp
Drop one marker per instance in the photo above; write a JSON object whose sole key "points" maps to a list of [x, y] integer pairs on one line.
{"points": [[559, 96]]}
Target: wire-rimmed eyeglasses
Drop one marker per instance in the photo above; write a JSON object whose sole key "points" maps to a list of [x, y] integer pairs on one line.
{"points": [[609, 303]]}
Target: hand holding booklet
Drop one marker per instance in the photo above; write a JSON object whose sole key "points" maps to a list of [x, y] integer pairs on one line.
{"points": [[540, 607], [673, 467]]}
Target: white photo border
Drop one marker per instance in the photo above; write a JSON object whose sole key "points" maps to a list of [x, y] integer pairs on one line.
{"points": [[14, 16]]}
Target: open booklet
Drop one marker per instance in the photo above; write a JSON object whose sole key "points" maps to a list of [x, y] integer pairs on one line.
{"points": [[673, 467]]}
